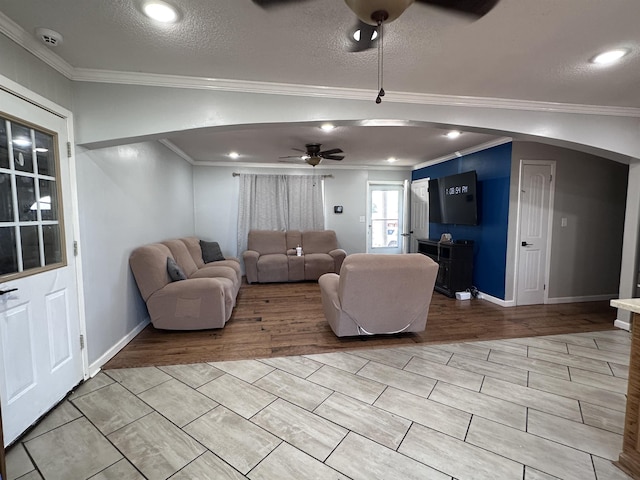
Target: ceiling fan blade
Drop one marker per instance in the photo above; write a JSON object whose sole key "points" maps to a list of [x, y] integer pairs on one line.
{"points": [[292, 156], [299, 150], [365, 40], [330, 152], [333, 157], [475, 8]]}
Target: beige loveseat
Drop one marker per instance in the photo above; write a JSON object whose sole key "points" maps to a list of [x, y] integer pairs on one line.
{"points": [[205, 299], [271, 255], [377, 294]]}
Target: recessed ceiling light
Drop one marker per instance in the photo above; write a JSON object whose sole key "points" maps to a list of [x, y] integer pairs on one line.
{"points": [[391, 159], [357, 33], [234, 155], [610, 56], [160, 11], [327, 127], [453, 134]]}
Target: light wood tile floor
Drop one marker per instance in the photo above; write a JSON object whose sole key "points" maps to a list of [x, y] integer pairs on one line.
{"points": [[466, 411]]}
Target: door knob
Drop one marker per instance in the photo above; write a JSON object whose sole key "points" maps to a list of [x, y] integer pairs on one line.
{"points": [[525, 244], [4, 292]]}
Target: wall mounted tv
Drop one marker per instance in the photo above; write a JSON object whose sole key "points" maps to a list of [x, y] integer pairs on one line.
{"points": [[453, 199]]}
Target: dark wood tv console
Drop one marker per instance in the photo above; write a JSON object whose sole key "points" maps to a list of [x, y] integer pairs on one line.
{"points": [[456, 264]]}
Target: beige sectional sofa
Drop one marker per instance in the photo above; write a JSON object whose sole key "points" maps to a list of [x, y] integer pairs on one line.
{"points": [[271, 255], [205, 299]]}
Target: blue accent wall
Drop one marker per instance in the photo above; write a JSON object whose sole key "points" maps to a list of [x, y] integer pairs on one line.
{"points": [[493, 167]]}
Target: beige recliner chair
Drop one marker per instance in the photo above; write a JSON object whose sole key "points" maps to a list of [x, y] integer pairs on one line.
{"points": [[376, 294]]}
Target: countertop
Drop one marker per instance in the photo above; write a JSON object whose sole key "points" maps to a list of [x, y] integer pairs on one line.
{"points": [[630, 304]]}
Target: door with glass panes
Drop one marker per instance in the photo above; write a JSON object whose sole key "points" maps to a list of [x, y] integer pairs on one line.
{"points": [[40, 351], [385, 217]]}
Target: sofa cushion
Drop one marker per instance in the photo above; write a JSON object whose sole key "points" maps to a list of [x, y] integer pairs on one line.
{"points": [[316, 264], [193, 247], [273, 268], [267, 241], [294, 239], [181, 255], [175, 272], [211, 252], [319, 241]]}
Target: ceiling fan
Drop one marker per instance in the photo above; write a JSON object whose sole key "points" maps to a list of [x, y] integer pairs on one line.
{"points": [[372, 13], [313, 156]]}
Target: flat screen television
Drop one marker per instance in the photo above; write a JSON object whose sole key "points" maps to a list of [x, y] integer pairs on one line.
{"points": [[453, 199]]}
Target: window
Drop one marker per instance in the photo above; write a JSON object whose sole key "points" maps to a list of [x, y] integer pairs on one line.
{"points": [[30, 212], [279, 202]]}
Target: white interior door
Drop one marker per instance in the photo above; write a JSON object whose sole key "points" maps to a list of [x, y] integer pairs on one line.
{"points": [[40, 354], [419, 212], [385, 217], [535, 214]]}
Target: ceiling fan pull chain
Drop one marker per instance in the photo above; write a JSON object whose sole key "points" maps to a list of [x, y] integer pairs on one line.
{"points": [[380, 61]]}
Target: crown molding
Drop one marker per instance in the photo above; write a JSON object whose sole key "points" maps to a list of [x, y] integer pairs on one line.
{"points": [[304, 166], [178, 151], [16, 33], [462, 153], [28, 41], [247, 86]]}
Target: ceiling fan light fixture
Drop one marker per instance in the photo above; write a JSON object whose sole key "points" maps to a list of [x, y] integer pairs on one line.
{"points": [[160, 11], [610, 56], [365, 9], [358, 33]]}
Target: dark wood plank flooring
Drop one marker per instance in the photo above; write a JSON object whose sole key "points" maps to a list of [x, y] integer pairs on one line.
{"points": [[286, 319]]}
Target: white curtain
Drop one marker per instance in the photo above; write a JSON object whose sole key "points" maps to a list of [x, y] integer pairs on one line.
{"points": [[279, 202], [306, 206]]}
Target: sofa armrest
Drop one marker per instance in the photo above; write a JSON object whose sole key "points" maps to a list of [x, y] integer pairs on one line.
{"points": [[292, 252], [250, 258], [196, 303], [329, 283], [338, 257]]}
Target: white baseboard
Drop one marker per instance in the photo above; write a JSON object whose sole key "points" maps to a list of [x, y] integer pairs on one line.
{"points": [[623, 325], [590, 298], [95, 367], [496, 300]]}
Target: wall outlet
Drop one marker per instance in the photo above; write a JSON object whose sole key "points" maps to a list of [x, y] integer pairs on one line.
{"points": [[563, 222], [361, 218]]}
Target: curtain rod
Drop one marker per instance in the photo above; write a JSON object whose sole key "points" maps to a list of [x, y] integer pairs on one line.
{"points": [[236, 174]]}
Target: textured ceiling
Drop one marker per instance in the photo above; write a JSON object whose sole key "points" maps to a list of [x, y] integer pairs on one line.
{"points": [[523, 49]]}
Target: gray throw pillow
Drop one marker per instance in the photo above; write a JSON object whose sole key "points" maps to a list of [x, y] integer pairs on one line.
{"points": [[211, 252], [175, 272]]}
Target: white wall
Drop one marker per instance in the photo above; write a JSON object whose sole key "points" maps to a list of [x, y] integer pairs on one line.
{"points": [[216, 202], [128, 196], [590, 192], [30, 72], [143, 112]]}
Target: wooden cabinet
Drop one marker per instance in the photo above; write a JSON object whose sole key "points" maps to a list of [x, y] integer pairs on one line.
{"points": [[456, 264], [629, 459]]}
